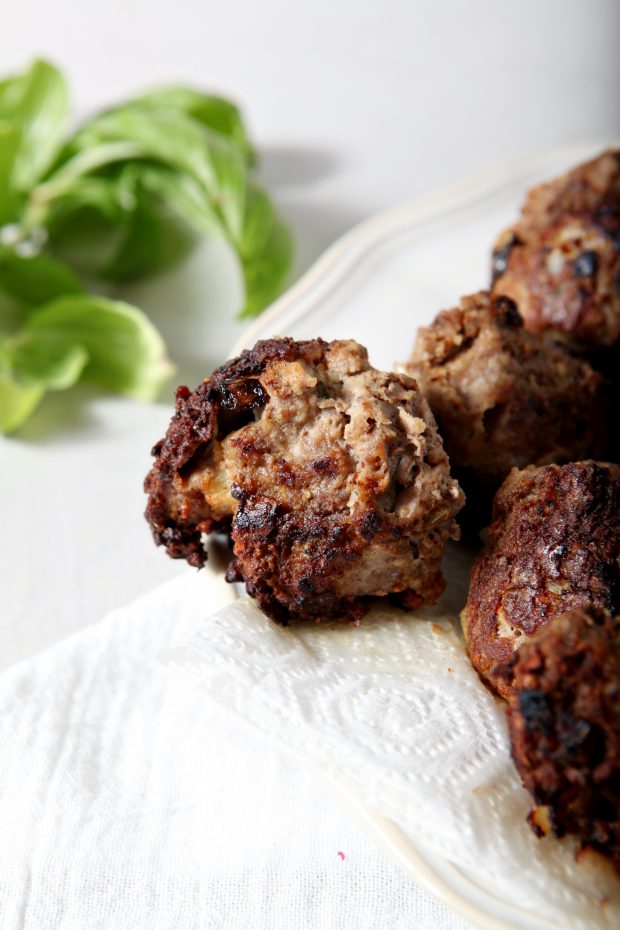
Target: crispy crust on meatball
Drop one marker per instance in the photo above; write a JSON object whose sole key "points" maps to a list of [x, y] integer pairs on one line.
{"points": [[328, 475], [561, 261], [179, 515], [553, 546], [504, 398], [564, 722]]}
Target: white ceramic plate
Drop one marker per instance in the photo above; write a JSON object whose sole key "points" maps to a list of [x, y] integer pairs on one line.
{"points": [[377, 285]]}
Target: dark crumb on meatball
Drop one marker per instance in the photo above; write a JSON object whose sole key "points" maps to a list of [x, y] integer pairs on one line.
{"points": [[561, 260], [553, 546], [564, 722], [329, 477], [504, 398]]}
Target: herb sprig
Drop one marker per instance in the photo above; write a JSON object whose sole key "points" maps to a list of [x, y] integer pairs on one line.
{"points": [[125, 196]]}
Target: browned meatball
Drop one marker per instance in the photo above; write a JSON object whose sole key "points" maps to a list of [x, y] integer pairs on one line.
{"points": [[504, 398], [564, 720], [553, 546], [561, 260], [329, 476]]}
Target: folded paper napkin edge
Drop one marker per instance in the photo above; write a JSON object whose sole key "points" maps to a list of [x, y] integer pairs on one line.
{"points": [[318, 694]]}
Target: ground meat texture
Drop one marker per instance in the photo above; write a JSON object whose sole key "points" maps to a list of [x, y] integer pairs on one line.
{"points": [[553, 546], [504, 398], [561, 260], [329, 476], [564, 721]]}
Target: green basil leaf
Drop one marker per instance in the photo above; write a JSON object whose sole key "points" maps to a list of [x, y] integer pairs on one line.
{"points": [[266, 252], [141, 220], [183, 196], [125, 351], [11, 316], [30, 365], [10, 200], [171, 138], [81, 158], [134, 184], [168, 137], [36, 103], [17, 401], [230, 198], [216, 113], [95, 194], [35, 280], [85, 225], [151, 241], [36, 358]]}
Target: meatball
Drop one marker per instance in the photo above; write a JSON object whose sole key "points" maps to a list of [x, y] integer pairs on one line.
{"points": [[504, 398], [553, 546], [329, 477], [561, 260], [564, 722]]}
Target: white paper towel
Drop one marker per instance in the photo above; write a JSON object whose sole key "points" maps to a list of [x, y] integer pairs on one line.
{"points": [[394, 711], [127, 802]]}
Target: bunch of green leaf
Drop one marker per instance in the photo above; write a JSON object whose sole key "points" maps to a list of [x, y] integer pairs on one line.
{"points": [[123, 197]]}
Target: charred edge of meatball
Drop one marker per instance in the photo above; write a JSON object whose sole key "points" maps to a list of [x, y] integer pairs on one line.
{"points": [[591, 192], [265, 535], [553, 546], [221, 404], [564, 723], [561, 260], [504, 397]]}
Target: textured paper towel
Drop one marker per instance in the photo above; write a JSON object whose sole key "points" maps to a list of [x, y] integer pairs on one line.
{"points": [[127, 803], [393, 710]]}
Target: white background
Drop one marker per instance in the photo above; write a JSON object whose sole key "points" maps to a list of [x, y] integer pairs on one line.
{"points": [[354, 106]]}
